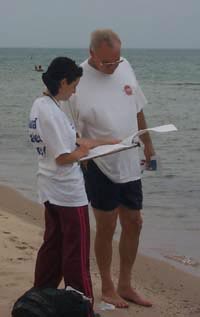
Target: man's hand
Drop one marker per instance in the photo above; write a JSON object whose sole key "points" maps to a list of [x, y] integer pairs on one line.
{"points": [[148, 151]]}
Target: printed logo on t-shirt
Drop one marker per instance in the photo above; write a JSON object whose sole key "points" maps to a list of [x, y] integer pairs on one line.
{"points": [[128, 90], [35, 138]]}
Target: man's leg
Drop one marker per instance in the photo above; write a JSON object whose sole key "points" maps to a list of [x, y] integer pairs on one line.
{"points": [[105, 228], [104, 197], [131, 223]]}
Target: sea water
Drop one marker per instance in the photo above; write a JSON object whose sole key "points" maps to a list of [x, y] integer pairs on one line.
{"points": [[170, 80]]}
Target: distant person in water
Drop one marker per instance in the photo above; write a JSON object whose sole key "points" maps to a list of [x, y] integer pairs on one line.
{"points": [[39, 68]]}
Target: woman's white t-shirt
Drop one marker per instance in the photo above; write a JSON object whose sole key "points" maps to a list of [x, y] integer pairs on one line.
{"points": [[52, 134]]}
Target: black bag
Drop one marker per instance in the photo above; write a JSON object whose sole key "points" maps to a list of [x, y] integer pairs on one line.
{"points": [[50, 302]]}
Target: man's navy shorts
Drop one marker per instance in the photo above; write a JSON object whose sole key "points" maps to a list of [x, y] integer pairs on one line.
{"points": [[106, 195]]}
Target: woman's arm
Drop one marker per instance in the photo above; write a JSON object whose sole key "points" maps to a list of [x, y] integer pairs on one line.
{"points": [[92, 143], [68, 158]]}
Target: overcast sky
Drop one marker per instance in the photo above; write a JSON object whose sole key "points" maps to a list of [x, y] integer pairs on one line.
{"points": [[68, 23]]}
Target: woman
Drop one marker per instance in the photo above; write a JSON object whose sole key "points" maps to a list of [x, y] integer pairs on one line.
{"points": [[65, 250]]}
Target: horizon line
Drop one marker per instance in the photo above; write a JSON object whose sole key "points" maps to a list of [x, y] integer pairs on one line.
{"points": [[86, 48]]}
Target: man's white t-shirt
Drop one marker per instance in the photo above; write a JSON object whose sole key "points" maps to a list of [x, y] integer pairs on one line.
{"points": [[52, 134], [106, 106]]}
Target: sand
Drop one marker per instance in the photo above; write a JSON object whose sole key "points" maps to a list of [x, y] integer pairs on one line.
{"points": [[173, 292]]}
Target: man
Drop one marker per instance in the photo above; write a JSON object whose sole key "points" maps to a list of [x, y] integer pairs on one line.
{"points": [[109, 103]]}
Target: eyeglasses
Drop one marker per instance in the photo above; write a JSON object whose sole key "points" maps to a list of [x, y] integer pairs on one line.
{"points": [[105, 64]]}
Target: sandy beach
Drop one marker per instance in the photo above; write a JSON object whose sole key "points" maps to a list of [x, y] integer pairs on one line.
{"points": [[173, 292]]}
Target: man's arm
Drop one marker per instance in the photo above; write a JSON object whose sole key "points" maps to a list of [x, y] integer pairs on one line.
{"points": [[145, 138]]}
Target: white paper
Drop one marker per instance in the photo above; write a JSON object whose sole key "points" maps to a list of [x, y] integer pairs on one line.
{"points": [[106, 149], [127, 143], [161, 128], [70, 288], [106, 306]]}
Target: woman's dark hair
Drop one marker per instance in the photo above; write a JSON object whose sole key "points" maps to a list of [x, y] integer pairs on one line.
{"points": [[60, 68]]}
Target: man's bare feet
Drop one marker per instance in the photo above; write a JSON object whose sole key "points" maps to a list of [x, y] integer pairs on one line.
{"points": [[131, 295], [113, 298]]}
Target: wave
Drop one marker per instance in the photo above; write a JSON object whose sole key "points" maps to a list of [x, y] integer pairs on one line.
{"points": [[183, 260], [183, 83]]}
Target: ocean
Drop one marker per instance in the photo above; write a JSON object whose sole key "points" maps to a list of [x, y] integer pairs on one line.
{"points": [[170, 80]]}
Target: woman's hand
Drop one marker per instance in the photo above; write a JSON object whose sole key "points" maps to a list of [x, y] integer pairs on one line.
{"points": [[81, 151]]}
